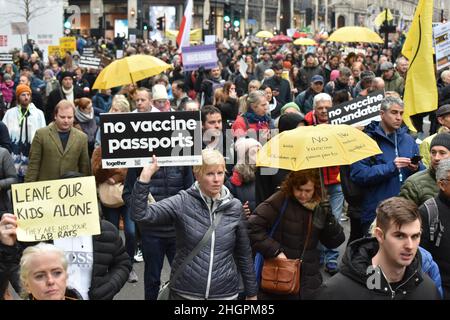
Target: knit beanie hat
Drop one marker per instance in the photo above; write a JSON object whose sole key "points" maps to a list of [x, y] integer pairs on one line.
{"points": [[289, 121], [66, 74], [6, 76], [21, 88], [441, 139], [289, 105]]}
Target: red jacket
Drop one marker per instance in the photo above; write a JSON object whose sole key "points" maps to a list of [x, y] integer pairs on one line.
{"points": [[330, 174]]}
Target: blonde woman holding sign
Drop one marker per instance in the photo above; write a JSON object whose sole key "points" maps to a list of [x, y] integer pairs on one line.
{"points": [[212, 242]]}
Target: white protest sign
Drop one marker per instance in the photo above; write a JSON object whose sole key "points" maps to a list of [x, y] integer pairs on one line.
{"points": [[441, 34], [210, 39], [243, 68]]}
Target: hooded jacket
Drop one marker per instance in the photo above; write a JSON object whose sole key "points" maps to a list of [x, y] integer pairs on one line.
{"points": [[420, 187], [378, 174], [214, 271], [351, 283]]}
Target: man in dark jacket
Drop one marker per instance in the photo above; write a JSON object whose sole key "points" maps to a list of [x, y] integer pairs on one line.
{"points": [[66, 91], [381, 176], [305, 100], [439, 248], [277, 81], [387, 266]]}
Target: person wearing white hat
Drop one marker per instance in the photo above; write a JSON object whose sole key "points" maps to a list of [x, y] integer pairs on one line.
{"points": [[160, 99]]}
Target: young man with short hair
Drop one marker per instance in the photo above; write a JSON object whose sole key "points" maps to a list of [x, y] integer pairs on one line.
{"points": [[387, 266]]}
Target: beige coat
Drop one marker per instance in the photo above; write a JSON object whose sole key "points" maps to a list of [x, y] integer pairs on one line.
{"points": [[48, 160]]}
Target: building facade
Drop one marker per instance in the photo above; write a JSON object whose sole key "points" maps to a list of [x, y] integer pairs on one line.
{"points": [[99, 16]]}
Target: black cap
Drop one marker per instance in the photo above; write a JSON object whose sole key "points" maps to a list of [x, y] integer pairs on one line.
{"points": [[443, 110]]}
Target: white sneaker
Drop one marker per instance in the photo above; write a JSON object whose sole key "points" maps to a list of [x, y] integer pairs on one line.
{"points": [[138, 256]]}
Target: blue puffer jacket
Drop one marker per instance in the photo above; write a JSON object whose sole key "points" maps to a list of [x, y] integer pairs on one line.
{"points": [[378, 175], [430, 267], [166, 182], [214, 272]]}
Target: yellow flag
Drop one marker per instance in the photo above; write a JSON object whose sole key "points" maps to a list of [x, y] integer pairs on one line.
{"points": [[382, 16], [420, 88]]}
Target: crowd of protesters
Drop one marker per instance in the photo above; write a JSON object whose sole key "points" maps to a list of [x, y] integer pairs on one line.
{"points": [[50, 130]]}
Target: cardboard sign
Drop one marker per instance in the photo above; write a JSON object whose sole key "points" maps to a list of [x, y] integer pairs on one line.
{"points": [[6, 58], [89, 62], [54, 51], [357, 112], [67, 44], [19, 28], [131, 139], [441, 34], [199, 56], [56, 209]]}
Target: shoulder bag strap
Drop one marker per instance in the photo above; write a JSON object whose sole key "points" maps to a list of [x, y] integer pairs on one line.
{"points": [[277, 222], [198, 247], [308, 236]]}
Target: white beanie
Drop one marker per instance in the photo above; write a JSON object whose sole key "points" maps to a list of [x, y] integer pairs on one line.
{"points": [[159, 92]]}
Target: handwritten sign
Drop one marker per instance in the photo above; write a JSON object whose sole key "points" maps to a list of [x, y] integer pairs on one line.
{"points": [[56, 209], [67, 44], [54, 51]]}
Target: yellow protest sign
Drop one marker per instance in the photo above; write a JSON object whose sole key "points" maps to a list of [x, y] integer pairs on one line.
{"points": [[56, 209], [53, 51], [67, 44]]}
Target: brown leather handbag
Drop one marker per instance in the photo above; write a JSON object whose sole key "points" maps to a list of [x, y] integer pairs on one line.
{"points": [[282, 276]]}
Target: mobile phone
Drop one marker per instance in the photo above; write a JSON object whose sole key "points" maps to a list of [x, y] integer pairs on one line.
{"points": [[416, 159]]}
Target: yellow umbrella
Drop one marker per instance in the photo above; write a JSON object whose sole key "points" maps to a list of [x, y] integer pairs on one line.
{"points": [[264, 34], [129, 70], [355, 34], [316, 147], [305, 42]]}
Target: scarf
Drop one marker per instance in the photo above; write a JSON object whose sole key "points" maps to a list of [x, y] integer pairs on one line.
{"points": [[68, 93], [254, 118], [83, 117]]}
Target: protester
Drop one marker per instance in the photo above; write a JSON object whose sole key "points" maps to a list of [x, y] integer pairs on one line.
{"points": [[301, 191], [381, 176], [59, 147], [388, 266], [85, 121], [8, 176], [22, 122], [435, 231], [192, 212]]}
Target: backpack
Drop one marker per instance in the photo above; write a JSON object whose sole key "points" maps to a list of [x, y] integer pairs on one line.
{"points": [[434, 222]]}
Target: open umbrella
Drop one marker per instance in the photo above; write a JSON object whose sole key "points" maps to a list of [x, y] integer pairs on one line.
{"points": [[355, 34], [316, 147], [305, 42], [280, 39], [129, 70], [264, 34]]}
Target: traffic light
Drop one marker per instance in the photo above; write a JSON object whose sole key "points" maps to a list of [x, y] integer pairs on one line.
{"points": [[67, 22], [236, 20], [139, 25], [160, 23], [226, 13], [100, 22], [145, 26]]}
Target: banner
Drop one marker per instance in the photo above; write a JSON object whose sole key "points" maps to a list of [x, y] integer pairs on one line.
{"points": [[441, 35], [131, 139], [54, 209], [6, 58], [199, 56], [357, 112], [89, 62], [67, 44]]}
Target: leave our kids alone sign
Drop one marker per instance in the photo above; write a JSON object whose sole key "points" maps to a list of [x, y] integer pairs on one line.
{"points": [[56, 209]]}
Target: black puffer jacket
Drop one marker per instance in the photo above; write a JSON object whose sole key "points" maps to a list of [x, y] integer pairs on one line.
{"points": [[213, 273], [111, 263], [290, 236], [351, 282]]}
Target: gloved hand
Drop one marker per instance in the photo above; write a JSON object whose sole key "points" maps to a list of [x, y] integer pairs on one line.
{"points": [[321, 214]]}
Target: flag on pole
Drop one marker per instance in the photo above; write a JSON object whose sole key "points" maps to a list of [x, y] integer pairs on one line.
{"points": [[382, 17], [185, 27], [420, 89]]}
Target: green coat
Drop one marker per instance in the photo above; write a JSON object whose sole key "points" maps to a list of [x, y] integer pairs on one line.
{"points": [[48, 160], [420, 187]]}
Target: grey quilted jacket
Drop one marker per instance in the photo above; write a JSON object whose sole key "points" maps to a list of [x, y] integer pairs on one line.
{"points": [[214, 272]]}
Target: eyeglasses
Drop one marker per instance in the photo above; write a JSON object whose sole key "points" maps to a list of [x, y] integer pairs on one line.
{"points": [[445, 179]]}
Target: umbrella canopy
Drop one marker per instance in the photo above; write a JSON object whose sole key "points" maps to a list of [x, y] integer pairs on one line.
{"points": [[316, 147], [129, 70], [280, 39], [355, 34], [305, 42], [264, 34]]}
